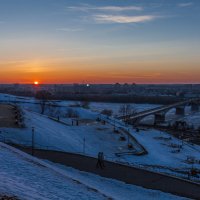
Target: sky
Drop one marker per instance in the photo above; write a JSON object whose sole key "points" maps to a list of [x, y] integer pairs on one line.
{"points": [[100, 41]]}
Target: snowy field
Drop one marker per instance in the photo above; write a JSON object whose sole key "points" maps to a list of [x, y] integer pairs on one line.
{"points": [[165, 153], [115, 107], [95, 107], [29, 178], [53, 135], [190, 117], [162, 150], [26, 178]]}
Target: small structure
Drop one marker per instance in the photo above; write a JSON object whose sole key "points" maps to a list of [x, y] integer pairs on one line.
{"points": [[11, 116]]}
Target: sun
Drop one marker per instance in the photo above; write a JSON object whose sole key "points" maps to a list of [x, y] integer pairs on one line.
{"points": [[36, 83]]}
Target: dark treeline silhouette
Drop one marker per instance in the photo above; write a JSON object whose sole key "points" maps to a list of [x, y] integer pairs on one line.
{"points": [[120, 98], [111, 98], [25, 93]]}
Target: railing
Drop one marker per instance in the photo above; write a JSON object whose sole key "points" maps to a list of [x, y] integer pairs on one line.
{"points": [[121, 126]]}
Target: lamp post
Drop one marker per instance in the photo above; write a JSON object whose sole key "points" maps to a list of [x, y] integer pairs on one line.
{"points": [[33, 140], [114, 125], [84, 145]]}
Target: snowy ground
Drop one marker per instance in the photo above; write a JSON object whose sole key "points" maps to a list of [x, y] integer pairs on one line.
{"points": [[53, 135], [192, 118], [162, 150], [95, 107], [115, 107], [30, 178], [90, 138]]}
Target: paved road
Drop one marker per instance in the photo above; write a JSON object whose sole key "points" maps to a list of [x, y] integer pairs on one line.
{"points": [[131, 175]]}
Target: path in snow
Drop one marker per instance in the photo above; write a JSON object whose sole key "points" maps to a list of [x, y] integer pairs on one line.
{"points": [[31, 178]]}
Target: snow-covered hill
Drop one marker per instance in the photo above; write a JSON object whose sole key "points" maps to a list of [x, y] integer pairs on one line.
{"points": [[166, 153], [50, 134], [29, 178]]}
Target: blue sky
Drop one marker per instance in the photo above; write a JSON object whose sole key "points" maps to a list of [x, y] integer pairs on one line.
{"points": [[143, 41]]}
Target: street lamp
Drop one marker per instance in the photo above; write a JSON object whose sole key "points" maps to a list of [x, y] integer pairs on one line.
{"points": [[33, 142], [84, 145]]}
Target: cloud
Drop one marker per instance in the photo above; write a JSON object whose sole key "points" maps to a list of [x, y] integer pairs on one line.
{"points": [[106, 8], [120, 8], [123, 19], [185, 4]]}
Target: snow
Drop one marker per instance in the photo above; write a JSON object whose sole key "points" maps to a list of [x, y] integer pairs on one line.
{"points": [[92, 137], [190, 117], [95, 107], [54, 135], [30, 178], [98, 107], [160, 150], [50, 134], [116, 189], [27, 178]]}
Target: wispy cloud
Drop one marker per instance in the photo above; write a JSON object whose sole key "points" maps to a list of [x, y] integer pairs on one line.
{"points": [[123, 19], [69, 29], [120, 8], [185, 4], [87, 8]]}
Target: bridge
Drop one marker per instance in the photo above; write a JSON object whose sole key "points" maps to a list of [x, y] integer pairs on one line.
{"points": [[161, 111]]}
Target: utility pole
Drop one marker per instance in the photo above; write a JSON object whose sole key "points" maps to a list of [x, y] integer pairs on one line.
{"points": [[84, 145], [33, 142], [114, 126]]}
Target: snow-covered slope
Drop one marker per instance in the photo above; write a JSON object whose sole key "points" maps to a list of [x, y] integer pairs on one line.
{"points": [[29, 178], [163, 150], [53, 135]]}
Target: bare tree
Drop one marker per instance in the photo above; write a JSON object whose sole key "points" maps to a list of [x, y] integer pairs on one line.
{"points": [[44, 97], [127, 110]]}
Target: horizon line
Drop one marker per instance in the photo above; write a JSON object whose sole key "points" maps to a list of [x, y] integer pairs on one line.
{"points": [[121, 83]]}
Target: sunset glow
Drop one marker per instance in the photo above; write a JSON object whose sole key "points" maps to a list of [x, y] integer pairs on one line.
{"points": [[36, 83], [99, 41]]}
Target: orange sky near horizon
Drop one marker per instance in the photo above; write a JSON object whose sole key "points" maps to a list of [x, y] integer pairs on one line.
{"points": [[50, 72]]}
